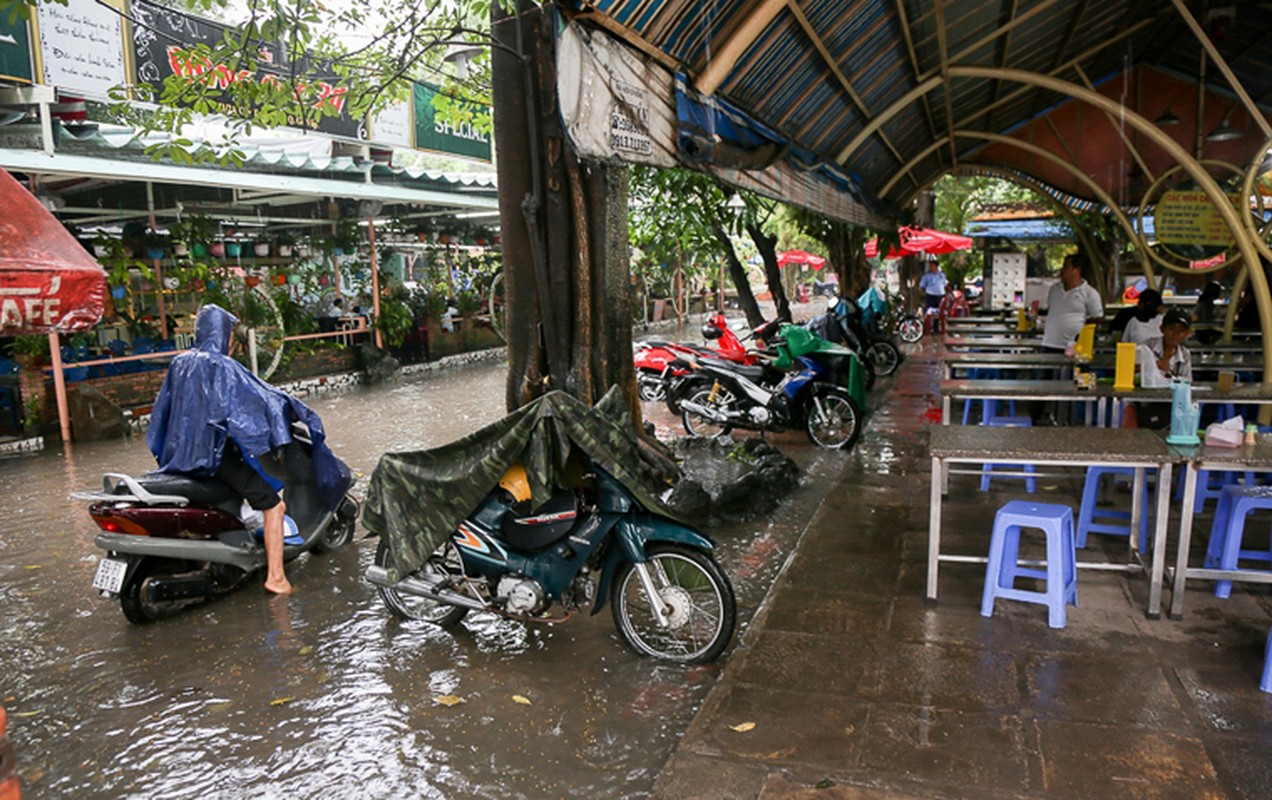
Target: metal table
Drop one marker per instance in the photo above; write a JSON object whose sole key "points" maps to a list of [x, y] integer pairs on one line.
{"points": [[992, 344], [1098, 396], [1010, 362], [1063, 447], [1224, 459]]}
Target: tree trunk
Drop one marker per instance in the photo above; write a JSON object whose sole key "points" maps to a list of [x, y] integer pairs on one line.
{"points": [[564, 229], [767, 245], [737, 273]]}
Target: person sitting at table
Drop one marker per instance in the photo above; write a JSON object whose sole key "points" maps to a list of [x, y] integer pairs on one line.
{"points": [[1162, 359], [1146, 321]]}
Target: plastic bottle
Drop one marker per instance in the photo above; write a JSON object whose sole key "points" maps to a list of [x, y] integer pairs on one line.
{"points": [[1251, 435]]}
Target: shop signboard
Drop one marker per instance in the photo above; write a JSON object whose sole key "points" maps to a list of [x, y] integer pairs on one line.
{"points": [[392, 126], [15, 51], [82, 47], [161, 34], [433, 131], [1188, 224]]}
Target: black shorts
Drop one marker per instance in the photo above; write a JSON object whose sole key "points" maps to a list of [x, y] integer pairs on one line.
{"points": [[244, 480], [932, 300]]}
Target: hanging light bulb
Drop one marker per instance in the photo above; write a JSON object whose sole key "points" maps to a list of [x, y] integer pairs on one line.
{"points": [[1167, 118], [736, 203], [1224, 132]]}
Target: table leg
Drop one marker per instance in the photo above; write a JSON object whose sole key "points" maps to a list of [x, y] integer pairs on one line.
{"points": [[1185, 539], [946, 404], [1137, 508], [934, 528], [1160, 522]]}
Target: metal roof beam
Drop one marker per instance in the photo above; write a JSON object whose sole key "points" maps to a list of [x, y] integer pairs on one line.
{"points": [[904, 23], [1215, 56], [988, 38], [945, 78]]}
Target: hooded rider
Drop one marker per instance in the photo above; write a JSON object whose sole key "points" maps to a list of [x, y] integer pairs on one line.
{"points": [[214, 418]]}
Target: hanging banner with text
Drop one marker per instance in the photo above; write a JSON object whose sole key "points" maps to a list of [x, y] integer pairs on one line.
{"points": [[82, 47], [15, 51], [161, 34], [433, 131], [1187, 223]]}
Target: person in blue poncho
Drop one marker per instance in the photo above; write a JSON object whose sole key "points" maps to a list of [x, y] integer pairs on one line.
{"points": [[213, 418]]}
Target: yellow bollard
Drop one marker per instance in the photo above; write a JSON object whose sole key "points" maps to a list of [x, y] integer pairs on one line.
{"points": [[1124, 374]]}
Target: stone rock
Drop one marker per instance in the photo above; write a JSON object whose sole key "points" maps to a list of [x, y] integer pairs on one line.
{"points": [[689, 500], [380, 365], [94, 416], [745, 479]]}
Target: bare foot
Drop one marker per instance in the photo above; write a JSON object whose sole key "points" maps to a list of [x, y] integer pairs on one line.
{"points": [[278, 587]]}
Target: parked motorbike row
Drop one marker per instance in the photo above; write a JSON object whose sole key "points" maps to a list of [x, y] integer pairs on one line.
{"points": [[173, 540], [812, 378]]}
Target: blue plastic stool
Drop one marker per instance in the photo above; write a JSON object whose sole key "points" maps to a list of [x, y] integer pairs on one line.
{"points": [[1266, 683], [1224, 549], [1093, 519], [987, 470], [989, 408], [1060, 573]]}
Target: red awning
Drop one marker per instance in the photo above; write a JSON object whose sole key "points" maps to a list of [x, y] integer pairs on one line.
{"points": [[922, 240], [48, 281], [800, 257]]}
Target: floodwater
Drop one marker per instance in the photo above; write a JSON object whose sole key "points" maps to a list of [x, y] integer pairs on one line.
{"points": [[323, 693]]}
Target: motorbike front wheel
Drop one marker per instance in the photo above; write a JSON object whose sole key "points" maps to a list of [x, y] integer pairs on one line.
{"points": [[885, 357], [715, 399], [445, 561], [696, 598], [834, 422], [910, 329]]}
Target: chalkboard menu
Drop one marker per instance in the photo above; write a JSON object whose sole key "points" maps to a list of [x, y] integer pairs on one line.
{"points": [[15, 51], [160, 33]]}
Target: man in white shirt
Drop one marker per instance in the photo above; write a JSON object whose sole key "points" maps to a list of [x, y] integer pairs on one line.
{"points": [[933, 285], [1071, 303]]}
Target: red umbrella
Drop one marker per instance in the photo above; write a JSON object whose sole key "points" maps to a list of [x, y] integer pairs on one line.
{"points": [[800, 257], [48, 282], [922, 240]]}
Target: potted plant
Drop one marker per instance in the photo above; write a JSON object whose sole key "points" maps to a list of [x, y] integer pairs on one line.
{"points": [[260, 246], [195, 230], [31, 350], [346, 238], [155, 245], [233, 249], [284, 242]]}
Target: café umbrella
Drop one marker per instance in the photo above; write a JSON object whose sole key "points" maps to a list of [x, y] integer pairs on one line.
{"points": [[48, 282], [915, 240], [800, 257]]}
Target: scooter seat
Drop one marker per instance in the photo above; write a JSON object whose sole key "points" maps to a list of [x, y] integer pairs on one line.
{"points": [[755, 373], [209, 491]]}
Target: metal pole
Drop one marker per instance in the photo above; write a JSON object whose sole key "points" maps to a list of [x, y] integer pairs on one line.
{"points": [[59, 386], [251, 351], [375, 284]]}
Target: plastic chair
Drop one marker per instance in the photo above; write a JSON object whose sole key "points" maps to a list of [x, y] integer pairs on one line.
{"points": [[1060, 572], [987, 470], [1094, 519], [1224, 550]]}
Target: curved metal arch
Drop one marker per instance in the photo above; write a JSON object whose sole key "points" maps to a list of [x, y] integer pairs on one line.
{"points": [[1181, 156]]}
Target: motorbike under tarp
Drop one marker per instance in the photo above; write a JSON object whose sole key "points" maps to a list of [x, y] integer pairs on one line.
{"points": [[795, 341], [417, 498]]}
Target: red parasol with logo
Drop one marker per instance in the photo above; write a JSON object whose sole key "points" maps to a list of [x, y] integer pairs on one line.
{"points": [[916, 240], [800, 257], [48, 281]]}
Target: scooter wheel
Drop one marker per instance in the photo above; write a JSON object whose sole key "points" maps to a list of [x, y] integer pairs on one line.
{"points": [[697, 599], [413, 607], [885, 357], [911, 329], [132, 600]]}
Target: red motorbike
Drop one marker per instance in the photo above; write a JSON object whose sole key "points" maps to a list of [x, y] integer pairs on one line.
{"points": [[653, 359]]}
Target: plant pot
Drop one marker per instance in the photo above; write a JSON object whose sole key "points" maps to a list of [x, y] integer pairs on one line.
{"points": [[232, 249], [217, 250], [337, 251], [280, 280], [101, 250], [200, 250], [284, 251], [119, 292], [293, 279], [423, 237], [180, 249], [251, 280], [154, 253], [261, 250], [171, 283], [302, 250]]}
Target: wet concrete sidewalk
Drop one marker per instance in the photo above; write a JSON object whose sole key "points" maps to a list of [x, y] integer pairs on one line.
{"points": [[849, 685]]}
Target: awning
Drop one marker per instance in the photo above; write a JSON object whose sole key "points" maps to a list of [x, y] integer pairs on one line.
{"points": [[48, 282], [800, 257], [922, 240]]}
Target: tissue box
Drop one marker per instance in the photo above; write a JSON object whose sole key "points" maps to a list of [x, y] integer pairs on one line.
{"points": [[1218, 436]]}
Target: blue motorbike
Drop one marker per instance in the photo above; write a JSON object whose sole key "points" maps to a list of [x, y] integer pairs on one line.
{"points": [[669, 597], [811, 384]]}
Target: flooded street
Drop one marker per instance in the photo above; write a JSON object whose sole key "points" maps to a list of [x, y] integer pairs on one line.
{"points": [[324, 693]]}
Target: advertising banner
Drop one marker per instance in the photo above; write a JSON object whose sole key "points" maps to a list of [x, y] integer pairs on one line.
{"points": [[161, 33], [433, 132], [15, 51]]}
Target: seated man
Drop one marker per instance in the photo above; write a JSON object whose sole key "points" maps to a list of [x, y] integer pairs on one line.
{"points": [[1163, 359], [213, 417]]}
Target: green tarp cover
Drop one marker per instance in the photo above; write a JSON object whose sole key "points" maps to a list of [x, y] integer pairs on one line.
{"points": [[417, 498]]}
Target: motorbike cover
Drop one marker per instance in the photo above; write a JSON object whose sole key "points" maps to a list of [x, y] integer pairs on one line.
{"points": [[208, 397], [416, 498]]}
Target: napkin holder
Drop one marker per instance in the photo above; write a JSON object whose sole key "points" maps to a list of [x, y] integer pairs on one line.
{"points": [[1124, 371], [1184, 414], [1085, 346]]}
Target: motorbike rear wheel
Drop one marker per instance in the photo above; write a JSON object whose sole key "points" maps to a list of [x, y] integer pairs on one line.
{"points": [[910, 329], [885, 357], [132, 600], [651, 385], [445, 561], [338, 534], [698, 425], [834, 421], [696, 595]]}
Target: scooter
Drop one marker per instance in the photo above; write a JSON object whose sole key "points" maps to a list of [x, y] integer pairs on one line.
{"points": [[817, 397], [653, 358], [669, 597], [174, 540]]}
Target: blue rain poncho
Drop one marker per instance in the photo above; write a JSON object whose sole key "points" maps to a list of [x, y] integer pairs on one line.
{"points": [[208, 398]]}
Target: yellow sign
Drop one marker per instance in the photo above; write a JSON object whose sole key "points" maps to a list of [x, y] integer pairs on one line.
{"points": [[1189, 217]]}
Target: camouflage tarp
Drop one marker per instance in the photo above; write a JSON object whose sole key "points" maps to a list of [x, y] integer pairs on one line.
{"points": [[416, 498]]}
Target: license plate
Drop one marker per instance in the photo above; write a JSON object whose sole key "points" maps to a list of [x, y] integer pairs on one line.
{"points": [[110, 575]]}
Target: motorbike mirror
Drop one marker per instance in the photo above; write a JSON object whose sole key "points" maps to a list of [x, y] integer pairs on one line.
{"points": [[710, 331]]}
